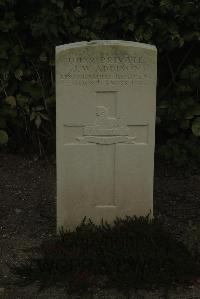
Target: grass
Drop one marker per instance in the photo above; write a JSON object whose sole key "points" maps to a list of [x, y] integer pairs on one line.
{"points": [[131, 253]]}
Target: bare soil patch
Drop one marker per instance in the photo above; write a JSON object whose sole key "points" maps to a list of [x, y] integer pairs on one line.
{"points": [[28, 216]]}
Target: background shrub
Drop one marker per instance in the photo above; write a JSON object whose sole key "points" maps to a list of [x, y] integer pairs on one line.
{"points": [[30, 30]]}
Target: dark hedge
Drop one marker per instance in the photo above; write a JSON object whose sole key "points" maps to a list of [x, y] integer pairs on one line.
{"points": [[30, 30]]}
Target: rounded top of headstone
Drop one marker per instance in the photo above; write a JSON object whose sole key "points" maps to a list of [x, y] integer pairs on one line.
{"points": [[105, 42]]}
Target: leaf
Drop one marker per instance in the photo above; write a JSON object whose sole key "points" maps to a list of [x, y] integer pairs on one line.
{"points": [[79, 11], [50, 101], [196, 109], [33, 88], [158, 120], [32, 116], [75, 29], [193, 111], [45, 117], [22, 100], [8, 22], [196, 127], [189, 115], [93, 36], [43, 57], [139, 34], [11, 101], [52, 62], [38, 121], [3, 137], [185, 124], [163, 105], [39, 108], [131, 27], [147, 35], [36, 91], [17, 50], [18, 74], [59, 3]]}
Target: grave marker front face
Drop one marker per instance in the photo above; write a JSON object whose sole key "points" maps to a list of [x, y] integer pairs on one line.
{"points": [[106, 103]]}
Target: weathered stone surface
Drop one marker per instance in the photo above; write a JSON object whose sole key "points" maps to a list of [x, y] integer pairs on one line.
{"points": [[106, 102]]}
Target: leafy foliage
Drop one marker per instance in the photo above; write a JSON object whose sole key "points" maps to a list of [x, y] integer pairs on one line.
{"points": [[30, 31], [132, 253], [3, 137]]}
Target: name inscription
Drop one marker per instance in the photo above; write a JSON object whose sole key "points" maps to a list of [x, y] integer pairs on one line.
{"points": [[105, 70]]}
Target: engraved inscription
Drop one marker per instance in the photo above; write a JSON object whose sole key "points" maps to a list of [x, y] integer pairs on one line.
{"points": [[107, 140], [105, 69], [104, 59], [98, 131]]}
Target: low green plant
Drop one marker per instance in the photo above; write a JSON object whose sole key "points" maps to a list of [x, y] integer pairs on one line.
{"points": [[134, 252]]}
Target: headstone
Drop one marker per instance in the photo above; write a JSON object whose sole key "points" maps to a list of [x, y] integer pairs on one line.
{"points": [[106, 103]]}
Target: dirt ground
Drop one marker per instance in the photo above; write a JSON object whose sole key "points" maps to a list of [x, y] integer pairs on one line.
{"points": [[28, 216]]}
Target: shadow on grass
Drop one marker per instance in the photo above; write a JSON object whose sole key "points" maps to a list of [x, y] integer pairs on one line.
{"points": [[135, 252]]}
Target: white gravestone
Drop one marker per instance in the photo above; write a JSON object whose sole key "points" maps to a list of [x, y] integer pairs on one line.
{"points": [[106, 103]]}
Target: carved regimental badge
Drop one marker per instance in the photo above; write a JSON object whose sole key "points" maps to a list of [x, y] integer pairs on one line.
{"points": [[106, 130]]}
